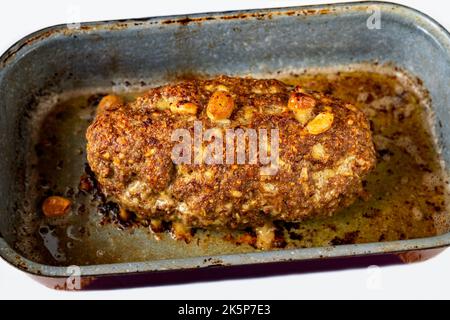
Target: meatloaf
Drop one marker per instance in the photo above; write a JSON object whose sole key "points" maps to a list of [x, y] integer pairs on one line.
{"points": [[325, 151]]}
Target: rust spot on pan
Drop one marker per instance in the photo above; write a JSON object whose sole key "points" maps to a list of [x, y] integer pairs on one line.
{"points": [[309, 12], [243, 16], [324, 11], [235, 16], [29, 41], [418, 255], [65, 283], [187, 20]]}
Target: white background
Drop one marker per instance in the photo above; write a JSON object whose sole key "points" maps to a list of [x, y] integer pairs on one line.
{"points": [[428, 279]]}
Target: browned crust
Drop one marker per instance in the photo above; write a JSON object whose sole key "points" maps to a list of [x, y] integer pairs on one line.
{"points": [[131, 146]]}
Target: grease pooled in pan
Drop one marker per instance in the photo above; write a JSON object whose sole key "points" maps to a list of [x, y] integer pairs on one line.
{"points": [[406, 193]]}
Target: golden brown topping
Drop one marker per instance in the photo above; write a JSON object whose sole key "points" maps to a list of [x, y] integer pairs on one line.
{"points": [[106, 156], [351, 107], [304, 174], [55, 206], [222, 87], [275, 89], [318, 152], [302, 106], [150, 152], [298, 101], [209, 174], [184, 108], [163, 104], [270, 188], [109, 102], [303, 116], [220, 105], [321, 123], [236, 193]]}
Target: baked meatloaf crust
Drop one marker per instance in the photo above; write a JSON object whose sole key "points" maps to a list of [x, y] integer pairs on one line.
{"points": [[325, 150]]}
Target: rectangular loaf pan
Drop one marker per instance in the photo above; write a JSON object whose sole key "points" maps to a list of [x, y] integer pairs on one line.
{"points": [[69, 57]]}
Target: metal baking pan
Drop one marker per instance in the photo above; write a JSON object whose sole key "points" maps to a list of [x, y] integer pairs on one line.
{"points": [[106, 56]]}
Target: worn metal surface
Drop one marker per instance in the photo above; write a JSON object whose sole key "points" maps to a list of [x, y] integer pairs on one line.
{"points": [[257, 41]]}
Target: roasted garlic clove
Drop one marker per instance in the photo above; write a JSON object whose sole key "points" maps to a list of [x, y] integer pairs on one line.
{"points": [[56, 206], [109, 102], [220, 106], [184, 108], [321, 123], [302, 105]]}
